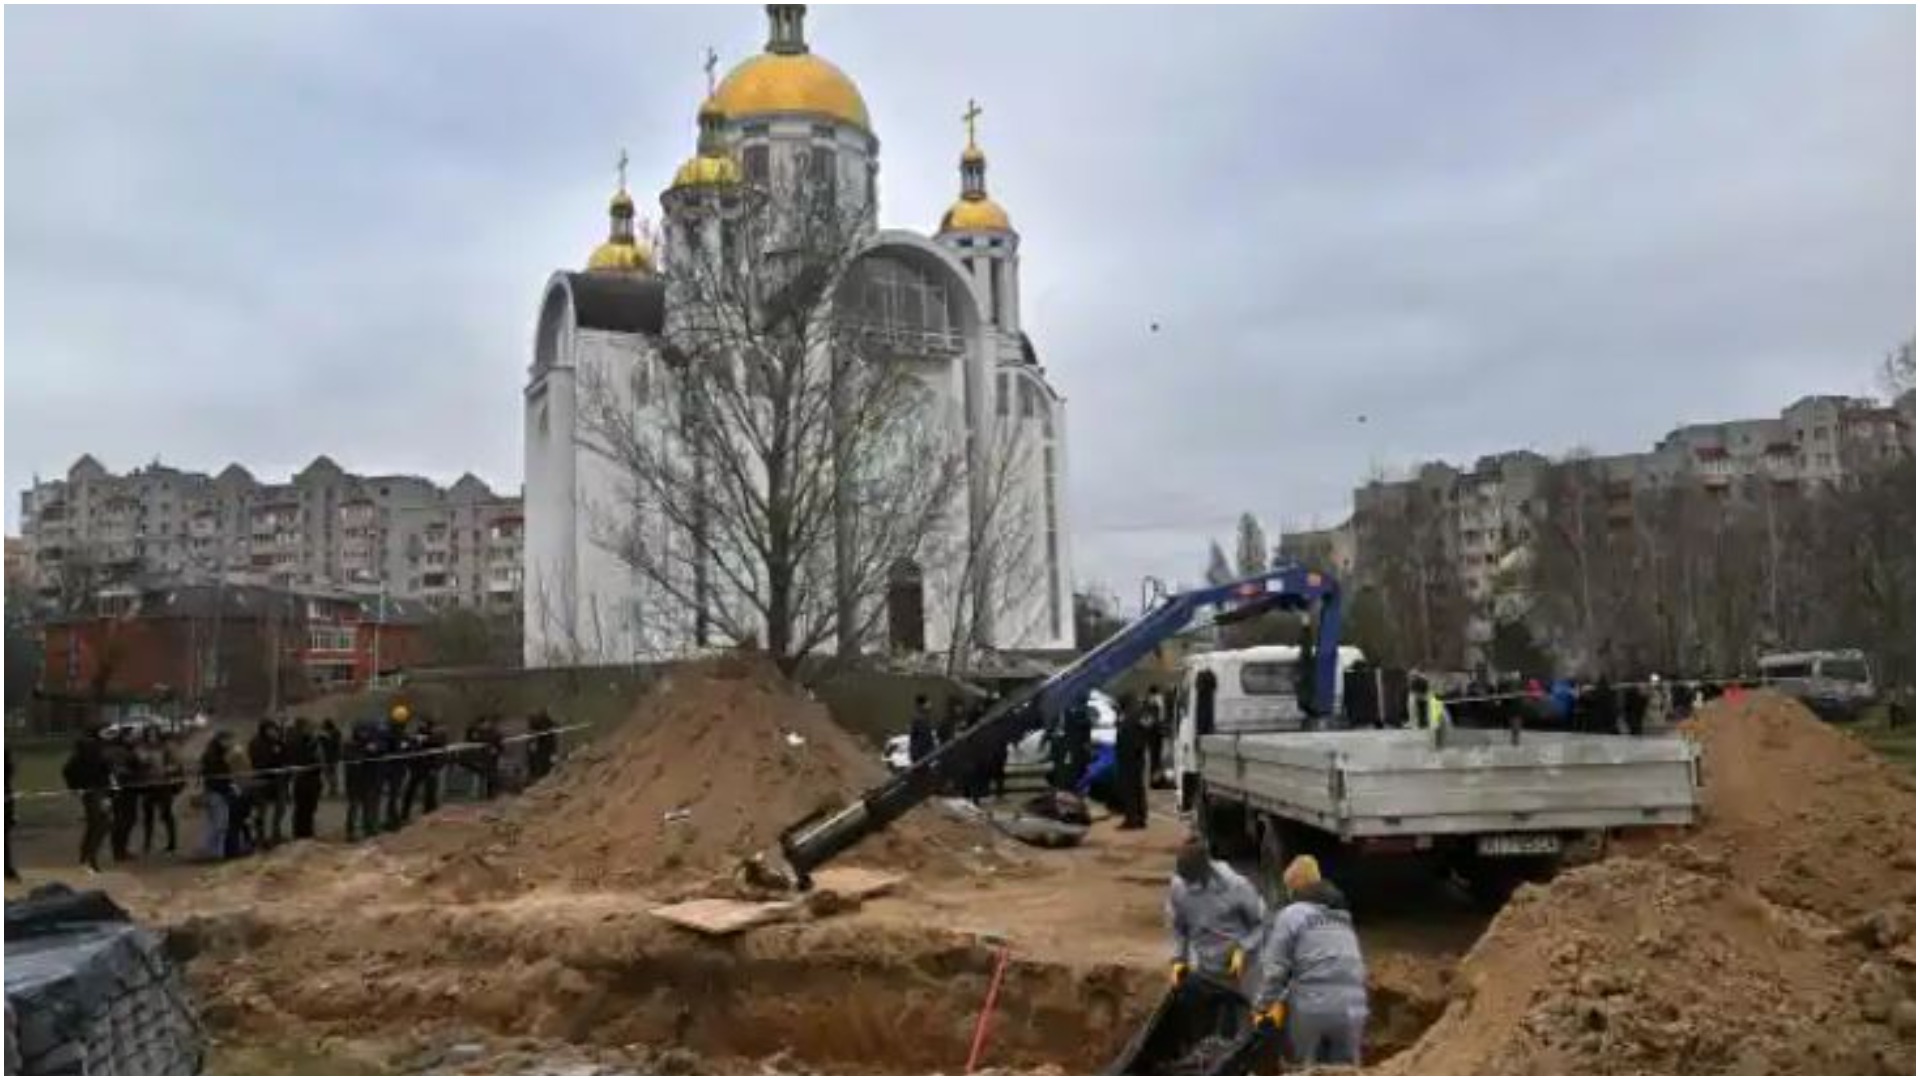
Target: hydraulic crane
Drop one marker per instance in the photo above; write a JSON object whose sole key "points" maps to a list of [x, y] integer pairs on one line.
{"points": [[813, 841]]}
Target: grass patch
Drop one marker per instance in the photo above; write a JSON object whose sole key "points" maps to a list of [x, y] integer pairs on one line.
{"points": [[1893, 743]]}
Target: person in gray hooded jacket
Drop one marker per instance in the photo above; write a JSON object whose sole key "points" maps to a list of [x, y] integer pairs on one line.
{"points": [[1313, 981], [1215, 915]]}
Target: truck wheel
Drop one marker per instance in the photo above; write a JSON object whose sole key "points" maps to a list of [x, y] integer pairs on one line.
{"points": [[1491, 882]]}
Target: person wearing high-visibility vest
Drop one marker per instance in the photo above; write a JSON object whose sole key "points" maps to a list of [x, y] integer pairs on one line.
{"points": [[1426, 710]]}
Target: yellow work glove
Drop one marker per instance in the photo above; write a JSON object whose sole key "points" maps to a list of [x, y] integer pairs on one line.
{"points": [[1236, 962], [1273, 1016], [1178, 974]]}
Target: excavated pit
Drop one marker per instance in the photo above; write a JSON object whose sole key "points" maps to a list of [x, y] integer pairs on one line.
{"points": [[608, 979], [595, 981]]}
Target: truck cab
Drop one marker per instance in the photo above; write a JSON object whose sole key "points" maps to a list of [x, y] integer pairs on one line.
{"points": [[1239, 691]]}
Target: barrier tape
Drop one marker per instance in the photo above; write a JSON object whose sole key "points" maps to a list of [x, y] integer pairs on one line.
{"points": [[451, 748], [1546, 690]]}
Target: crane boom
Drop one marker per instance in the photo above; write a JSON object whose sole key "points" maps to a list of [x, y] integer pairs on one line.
{"points": [[814, 840]]}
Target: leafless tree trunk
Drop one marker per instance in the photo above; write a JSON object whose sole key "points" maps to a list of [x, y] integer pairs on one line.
{"points": [[999, 559]]}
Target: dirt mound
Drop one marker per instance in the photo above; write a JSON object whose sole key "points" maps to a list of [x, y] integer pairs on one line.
{"points": [[716, 760], [1634, 966], [1776, 937], [1801, 811]]}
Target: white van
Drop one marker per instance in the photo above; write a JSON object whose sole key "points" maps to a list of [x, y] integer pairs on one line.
{"points": [[1837, 684], [1253, 690]]}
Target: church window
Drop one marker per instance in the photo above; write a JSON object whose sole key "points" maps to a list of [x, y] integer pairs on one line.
{"points": [[994, 289], [1000, 401], [873, 172], [1029, 400], [821, 174], [754, 163]]}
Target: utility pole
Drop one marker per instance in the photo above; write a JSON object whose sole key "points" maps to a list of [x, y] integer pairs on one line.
{"points": [[380, 616]]}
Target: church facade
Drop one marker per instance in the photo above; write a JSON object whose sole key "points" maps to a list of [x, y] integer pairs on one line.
{"points": [[945, 304]]}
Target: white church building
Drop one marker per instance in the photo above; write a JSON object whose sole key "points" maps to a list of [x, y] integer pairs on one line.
{"points": [[951, 308]]}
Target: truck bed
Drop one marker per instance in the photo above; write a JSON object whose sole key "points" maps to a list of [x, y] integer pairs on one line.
{"points": [[1374, 783]]}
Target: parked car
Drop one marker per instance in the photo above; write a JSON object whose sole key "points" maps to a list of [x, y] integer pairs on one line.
{"points": [[136, 725], [1031, 751]]}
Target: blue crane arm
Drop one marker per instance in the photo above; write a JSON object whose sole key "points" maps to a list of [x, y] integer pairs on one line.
{"points": [[813, 841]]}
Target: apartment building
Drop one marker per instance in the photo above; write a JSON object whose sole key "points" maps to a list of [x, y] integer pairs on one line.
{"points": [[458, 546], [1480, 521]]}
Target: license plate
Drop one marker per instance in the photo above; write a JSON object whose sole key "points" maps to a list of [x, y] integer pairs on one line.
{"points": [[1520, 844]]}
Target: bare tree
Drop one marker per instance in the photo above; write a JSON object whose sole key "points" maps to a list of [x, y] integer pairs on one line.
{"points": [[1250, 546], [781, 458], [1219, 570], [995, 551], [1416, 608]]}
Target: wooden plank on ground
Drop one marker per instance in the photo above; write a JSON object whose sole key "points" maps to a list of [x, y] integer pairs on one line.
{"points": [[856, 883], [719, 917]]}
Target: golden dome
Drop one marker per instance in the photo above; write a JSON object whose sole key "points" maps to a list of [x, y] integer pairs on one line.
{"points": [[622, 256], [791, 83], [972, 154], [621, 203], [707, 170], [975, 214]]}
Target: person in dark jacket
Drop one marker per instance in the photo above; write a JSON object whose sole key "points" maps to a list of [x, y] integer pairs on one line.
{"points": [[393, 771], [129, 786], [361, 776], [951, 721], [493, 752], [307, 759], [1076, 730], [423, 769], [543, 748], [332, 746], [921, 739], [1130, 763], [1160, 719], [166, 779], [221, 797], [267, 784], [1633, 708], [89, 776]]}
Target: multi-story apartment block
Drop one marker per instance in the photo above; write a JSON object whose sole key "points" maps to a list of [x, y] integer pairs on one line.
{"points": [[324, 527], [1478, 521]]}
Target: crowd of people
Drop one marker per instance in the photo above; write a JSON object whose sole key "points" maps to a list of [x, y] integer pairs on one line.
{"points": [[268, 791]]}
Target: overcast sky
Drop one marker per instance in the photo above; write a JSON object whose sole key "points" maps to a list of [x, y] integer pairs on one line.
{"points": [[264, 234]]}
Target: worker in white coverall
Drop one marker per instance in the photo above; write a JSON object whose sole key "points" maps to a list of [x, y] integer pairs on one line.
{"points": [[1312, 982]]}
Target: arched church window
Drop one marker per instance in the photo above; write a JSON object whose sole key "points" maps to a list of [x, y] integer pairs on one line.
{"points": [[755, 163], [821, 175], [1029, 399]]}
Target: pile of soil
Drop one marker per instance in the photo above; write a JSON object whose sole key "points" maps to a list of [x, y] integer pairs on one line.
{"points": [[716, 761], [1776, 938], [1635, 966], [1803, 812]]}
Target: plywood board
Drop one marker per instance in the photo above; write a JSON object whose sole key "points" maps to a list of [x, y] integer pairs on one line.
{"points": [[855, 883], [719, 917]]}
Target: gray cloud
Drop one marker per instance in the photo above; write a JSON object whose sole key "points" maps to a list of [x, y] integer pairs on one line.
{"points": [[263, 234]]}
